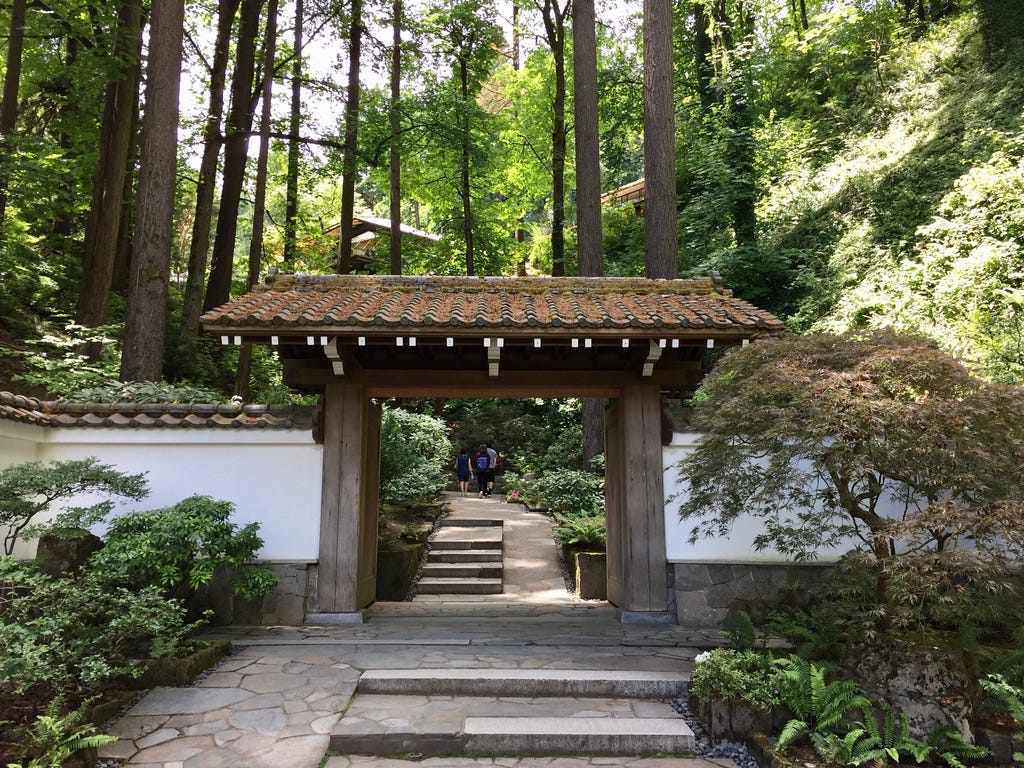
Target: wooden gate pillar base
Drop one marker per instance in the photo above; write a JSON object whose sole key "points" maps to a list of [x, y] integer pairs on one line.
{"points": [[635, 498], [346, 571]]}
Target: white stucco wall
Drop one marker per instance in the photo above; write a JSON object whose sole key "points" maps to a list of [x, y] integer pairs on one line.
{"points": [[738, 546], [272, 476]]}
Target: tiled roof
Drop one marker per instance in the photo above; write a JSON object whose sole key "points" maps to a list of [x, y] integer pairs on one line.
{"points": [[366, 303], [61, 413]]}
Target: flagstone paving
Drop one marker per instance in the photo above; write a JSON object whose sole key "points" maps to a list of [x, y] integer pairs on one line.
{"points": [[276, 701]]}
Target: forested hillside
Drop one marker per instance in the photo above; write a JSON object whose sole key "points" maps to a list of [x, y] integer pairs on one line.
{"points": [[843, 163]]}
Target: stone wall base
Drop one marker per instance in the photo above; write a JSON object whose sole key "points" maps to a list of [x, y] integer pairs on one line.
{"points": [[287, 604], [707, 593]]}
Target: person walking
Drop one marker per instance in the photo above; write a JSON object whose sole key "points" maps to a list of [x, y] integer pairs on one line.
{"points": [[481, 463], [462, 470], [492, 462]]}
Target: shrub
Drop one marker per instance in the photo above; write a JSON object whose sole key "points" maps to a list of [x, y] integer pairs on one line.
{"points": [[729, 675], [29, 489], [582, 532], [567, 492], [180, 547], [66, 634], [414, 456]]}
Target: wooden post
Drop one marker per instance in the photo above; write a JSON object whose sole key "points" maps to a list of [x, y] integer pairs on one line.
{"points": [[637, 580], [367, 587], [613, 498], [344, 538]]}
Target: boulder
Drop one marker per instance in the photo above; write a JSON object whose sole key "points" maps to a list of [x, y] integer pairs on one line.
{"points": [[926, 685], [67, 552]]}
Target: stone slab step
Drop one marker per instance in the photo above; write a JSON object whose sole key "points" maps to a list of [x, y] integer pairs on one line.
{"points": [[487, 570], [577, 736], [432, 585], [439, 724], [462, 555], [459, 537], [469, 522], [525, 682]]}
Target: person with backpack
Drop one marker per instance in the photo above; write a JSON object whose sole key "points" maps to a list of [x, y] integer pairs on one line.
{"points": [[481, 465], [492, 456]]}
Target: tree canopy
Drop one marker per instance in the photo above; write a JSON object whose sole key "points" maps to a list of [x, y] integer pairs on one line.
{"points": [[846, 165]]}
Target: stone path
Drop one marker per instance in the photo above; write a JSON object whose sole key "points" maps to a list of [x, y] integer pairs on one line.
{"points": [[279, 699]]}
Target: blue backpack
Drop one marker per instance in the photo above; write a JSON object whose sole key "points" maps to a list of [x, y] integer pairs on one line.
{"points": [[483, 461]]}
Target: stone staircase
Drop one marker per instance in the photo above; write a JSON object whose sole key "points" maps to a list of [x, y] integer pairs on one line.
{"points": [[465, 558], [522, 712]]}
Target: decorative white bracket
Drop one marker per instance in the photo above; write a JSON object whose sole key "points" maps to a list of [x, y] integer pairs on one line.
{"points": [[653, 355], [331, 350]]}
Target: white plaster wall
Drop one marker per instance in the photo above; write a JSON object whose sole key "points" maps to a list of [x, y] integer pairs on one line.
{"points": [[738, 546], [273, 477]]}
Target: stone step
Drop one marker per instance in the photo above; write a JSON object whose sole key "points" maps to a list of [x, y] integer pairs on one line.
{"points": [[431, 585], [486, 570], [525, 682], [469, 522], [577, 736], [462, 555], [432, 725], [467, 537]]}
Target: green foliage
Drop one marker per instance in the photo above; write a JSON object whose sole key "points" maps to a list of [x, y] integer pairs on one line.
{"points": [[415, 454], [1012, 698], [588, 533], [567, 492], [57, 362], [179, 548], [738, 629], [736, 675], [846, 426], [818, 706], [30, 489], [54, 737], [146, 392], [531, 435], [68, 634], [949, 745]]}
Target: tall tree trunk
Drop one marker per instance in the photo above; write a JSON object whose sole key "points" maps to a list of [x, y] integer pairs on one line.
{"points": [[126, 229], [12, 81], [588, 146], [554, 30], [199, 249], [101, 229], [236, 145], [588, 187], [396, 155], [703, 49], [243, 374], [515, 35], [146, 319], [348, 181], [291, 210], [659, 143], [464, 169]]}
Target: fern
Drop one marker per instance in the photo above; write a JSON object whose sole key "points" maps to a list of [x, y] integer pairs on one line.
{"points": [[856, 747], [53, 738], [803, 689], [893, 735], [949, 744], [1012, 698]]}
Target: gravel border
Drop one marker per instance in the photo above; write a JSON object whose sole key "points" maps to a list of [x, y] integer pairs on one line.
{"points": [[704, 747]]}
